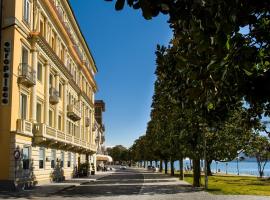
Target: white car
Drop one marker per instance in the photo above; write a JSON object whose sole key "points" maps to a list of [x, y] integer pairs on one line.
{"points": [[123, 167]]}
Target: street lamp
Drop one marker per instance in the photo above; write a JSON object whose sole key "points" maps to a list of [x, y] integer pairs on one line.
{"points": [[237, 160]]}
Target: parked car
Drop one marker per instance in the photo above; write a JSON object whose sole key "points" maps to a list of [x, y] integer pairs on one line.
{"points": [[123, 167], [151, 168]]}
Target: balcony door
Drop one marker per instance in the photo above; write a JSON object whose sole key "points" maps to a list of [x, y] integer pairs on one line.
{"points": [[23, 106], [25, 55]]}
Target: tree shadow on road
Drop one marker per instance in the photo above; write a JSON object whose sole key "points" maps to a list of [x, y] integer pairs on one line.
{"points": [[130, 184]]}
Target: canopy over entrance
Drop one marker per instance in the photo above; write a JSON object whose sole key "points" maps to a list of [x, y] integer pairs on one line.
{"points": [[101, 157]]}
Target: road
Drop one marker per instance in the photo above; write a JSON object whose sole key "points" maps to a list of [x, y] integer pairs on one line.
{"points": [[140, 184], [136, 184]]}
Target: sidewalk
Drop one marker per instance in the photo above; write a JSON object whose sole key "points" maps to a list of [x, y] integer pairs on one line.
{"points": [[49, 189]]}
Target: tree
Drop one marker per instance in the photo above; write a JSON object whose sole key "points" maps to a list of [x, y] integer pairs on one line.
{"points": [[259, 147], [119, 153], [209, 69]]}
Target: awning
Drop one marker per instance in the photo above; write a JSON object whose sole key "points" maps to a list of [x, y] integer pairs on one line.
{"points": [[101, 157]]}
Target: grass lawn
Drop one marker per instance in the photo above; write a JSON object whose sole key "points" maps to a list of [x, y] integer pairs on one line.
{"points": [[229, 184]]}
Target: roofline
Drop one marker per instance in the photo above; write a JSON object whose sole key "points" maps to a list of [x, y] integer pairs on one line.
{"points": [[73, 13]]}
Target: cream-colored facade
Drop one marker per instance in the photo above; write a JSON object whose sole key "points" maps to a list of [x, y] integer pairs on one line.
{"points": [[47, 93]]}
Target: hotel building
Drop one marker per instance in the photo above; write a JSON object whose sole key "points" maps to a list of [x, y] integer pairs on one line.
{"points": [[101, 157], [99, 109], [47, 120]]}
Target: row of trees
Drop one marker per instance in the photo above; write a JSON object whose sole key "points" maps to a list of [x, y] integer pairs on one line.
{"points": [[119, 153], [210, 92]]}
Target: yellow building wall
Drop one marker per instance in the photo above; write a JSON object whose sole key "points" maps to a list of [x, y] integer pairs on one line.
{"points": [[5, 113], [9, 139]]}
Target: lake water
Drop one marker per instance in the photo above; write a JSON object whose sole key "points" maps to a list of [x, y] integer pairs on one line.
{"points": [[245, 168]]}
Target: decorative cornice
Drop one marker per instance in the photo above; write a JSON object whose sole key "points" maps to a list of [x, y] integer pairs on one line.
{"points": [[61, 26], [51, 54]]}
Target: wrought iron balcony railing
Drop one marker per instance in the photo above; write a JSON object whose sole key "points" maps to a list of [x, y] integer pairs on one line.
{"points": [[27, 76], [54, 96]]}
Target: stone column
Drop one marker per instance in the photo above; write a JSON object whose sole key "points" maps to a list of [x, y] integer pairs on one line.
{"points": [[34, 95], [57, 105], [47, 93], [65, 101]]}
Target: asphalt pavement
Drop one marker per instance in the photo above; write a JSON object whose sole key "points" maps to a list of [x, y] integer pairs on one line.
{"points": [[132, 183]]}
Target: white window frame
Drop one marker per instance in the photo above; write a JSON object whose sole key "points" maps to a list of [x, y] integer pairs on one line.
{"points": [[26, 106], [29, 157], [26, 11], [62, 163], [40, 64], [43, 158], [41, 111], [53, 158]]}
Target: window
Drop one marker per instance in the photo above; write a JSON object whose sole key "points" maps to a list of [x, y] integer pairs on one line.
{"points": [[69, 159], [38, 113], [73, 130], [39, 72], [59, 122], [60, 90], [53, 158], [50, 118], [42, 25], [26, 11], [62, 53], [41, 158], [51, 80], [69, 98], [26, 157], [23, 106], [74, 159], [53, 41], [24, 55], [62, 158]]}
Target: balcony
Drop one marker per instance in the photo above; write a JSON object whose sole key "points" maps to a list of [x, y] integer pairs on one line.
{"points": [[59, 11], [87, 122], [74, 112], [54, 96], [24, 127], [102, 139], [49, 135], [93, 147], [27, 76], [103, 128]]}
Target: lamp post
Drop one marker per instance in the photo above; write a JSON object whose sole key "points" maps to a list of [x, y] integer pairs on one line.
{"points": [[237, 160], [226, 168]]}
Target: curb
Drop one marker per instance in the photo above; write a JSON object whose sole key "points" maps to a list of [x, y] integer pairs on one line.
{"points": [[64, 189]]}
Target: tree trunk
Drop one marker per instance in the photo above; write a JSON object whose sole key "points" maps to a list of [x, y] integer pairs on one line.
{"points": [[156, 165], [261, 174], [166, 167], [181, 165], [172, 167], [144, 163], [209, 172], [160, 166], [196, 172]]}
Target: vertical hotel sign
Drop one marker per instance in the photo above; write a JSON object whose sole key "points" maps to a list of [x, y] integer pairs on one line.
{"points": [[6, 73]]}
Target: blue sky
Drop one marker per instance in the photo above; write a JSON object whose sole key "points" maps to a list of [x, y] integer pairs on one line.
{"points": [[123, 45]]}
